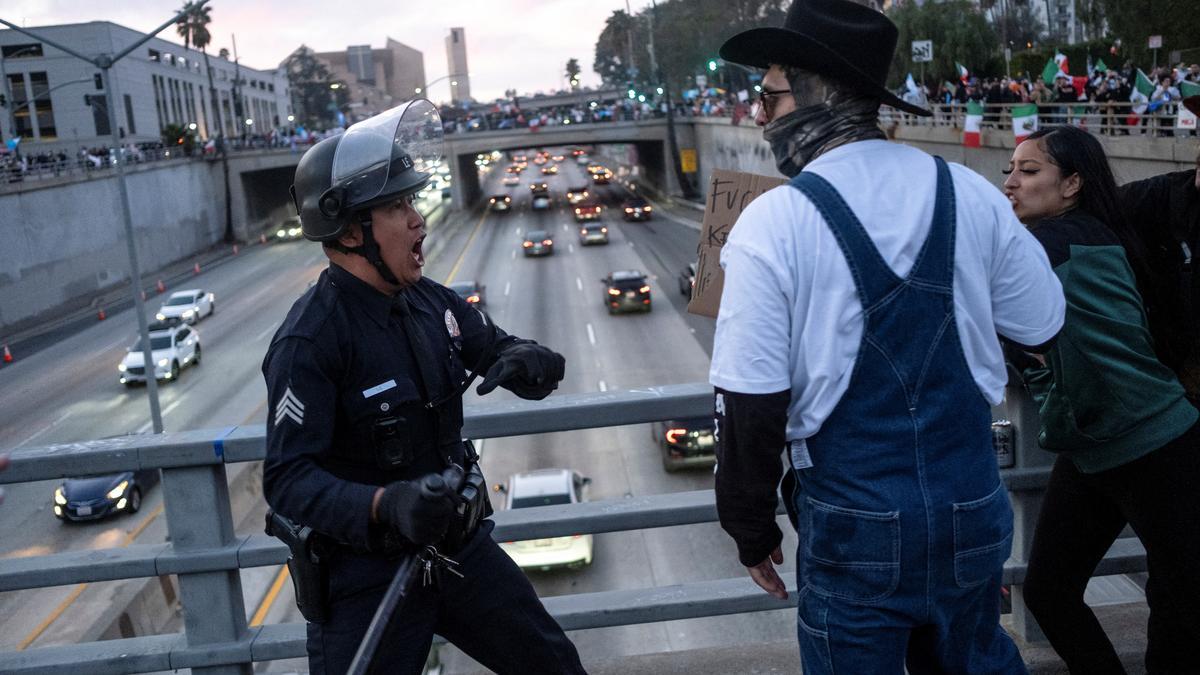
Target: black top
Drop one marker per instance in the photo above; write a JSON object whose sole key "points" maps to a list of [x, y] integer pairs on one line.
{"points": [[340, 365]]}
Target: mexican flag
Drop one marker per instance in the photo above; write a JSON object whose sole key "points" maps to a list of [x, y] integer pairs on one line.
{"points": [[1100, 67], [1187, 89], [1143, 84], [963, 74], [1185, 119], [971, 136], [1055, 67], [1024, 121]]}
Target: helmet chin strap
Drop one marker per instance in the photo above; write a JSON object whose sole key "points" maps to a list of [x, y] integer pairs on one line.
{"points": [[370, 251]]}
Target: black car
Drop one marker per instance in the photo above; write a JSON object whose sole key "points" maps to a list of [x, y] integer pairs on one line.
{"points": [[685, 443], [471, 291], [500, 203], [538, 242], [636, 208], [687, 280], [626, 291], [96, 497]]}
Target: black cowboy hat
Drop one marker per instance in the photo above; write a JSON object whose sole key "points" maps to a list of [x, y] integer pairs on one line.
{"points": [[843, 40], [1192, 103]]}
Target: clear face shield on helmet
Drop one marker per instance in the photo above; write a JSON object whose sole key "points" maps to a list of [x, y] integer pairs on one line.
{"points": [[390, 155]]}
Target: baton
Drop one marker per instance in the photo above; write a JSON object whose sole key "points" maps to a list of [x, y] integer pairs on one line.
{"points": [[397, 592]]}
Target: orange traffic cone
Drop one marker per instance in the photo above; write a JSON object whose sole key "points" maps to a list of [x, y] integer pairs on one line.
{"points": [[160, 286], [7, 355], [196, 269], [235, 249], [101, 315]]}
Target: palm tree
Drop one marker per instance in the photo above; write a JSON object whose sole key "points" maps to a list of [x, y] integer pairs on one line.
{"points": [[193, 28]]}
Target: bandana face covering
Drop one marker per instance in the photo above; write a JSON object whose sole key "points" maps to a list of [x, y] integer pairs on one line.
{"points": [[826, 117]]}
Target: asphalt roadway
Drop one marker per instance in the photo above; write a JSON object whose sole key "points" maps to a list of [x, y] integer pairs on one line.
{"points": [[69, 392]]}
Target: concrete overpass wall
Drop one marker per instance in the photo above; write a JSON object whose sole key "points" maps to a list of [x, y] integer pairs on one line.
{"points": [[65, 240], [741, 148]]}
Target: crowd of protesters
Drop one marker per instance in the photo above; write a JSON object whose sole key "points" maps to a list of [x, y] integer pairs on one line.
{"points": [[1108, 97]]}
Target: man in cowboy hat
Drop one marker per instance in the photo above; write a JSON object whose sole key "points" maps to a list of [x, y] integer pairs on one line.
{"points": [[858, 332]]}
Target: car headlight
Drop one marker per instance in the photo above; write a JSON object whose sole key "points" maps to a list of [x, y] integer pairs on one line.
{"points": [[59, 497], [163, 363], [160, 316], [116, 492], [120, 367], [280, 233], [189, 313]]}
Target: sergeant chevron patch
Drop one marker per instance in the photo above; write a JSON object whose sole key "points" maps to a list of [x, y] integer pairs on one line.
{"points": [[289, 407]]}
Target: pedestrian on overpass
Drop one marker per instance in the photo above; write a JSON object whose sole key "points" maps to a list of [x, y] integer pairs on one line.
{"points": [[857, 334], [1110, 401], [364, 435]]}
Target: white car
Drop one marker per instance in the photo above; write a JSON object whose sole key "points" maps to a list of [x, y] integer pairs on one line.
{"points": [[174, 346], [545, 488], [188, 305]]}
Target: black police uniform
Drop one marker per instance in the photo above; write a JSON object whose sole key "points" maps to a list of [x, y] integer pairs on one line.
{"points": [[340, 372]]}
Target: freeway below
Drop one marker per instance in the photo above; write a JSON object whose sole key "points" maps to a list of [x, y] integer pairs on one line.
{"points": [[69, 392]]}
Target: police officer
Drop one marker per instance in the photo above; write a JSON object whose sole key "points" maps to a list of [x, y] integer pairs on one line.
{"points": [[364, 382]]}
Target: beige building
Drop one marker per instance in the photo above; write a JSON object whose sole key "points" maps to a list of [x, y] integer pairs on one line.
{"points": [[378, 79], [456, 63]]}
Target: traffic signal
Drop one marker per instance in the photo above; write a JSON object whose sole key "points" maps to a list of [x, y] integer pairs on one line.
{"points": [[712, 65], [98, 80]]}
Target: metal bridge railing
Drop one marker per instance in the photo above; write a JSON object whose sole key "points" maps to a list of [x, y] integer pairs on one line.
{"points": [[1111, 118], [206, 554]]}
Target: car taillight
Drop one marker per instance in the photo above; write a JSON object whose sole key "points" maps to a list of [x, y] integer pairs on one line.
{"points": [[547, 242], [674, 434], [646, 208], [614, 291], [644, 289], [528, 244], [578, 211], [472, 298], [628, 210]]}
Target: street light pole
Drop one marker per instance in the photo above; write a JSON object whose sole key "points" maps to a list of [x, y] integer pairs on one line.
{"points": [[424, 88], [685, 183], [105, 63]]}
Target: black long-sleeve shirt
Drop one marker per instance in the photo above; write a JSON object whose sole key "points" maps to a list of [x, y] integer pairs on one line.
{"points": [[750, 439]]}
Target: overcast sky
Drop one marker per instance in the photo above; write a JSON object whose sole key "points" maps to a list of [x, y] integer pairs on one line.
{"points": [[521, 44]]}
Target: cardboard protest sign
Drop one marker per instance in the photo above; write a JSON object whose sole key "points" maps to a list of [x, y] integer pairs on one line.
{"points": [[729, 192]]}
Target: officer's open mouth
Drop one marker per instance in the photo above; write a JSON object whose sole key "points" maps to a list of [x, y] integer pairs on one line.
{"points": [[417, 255]]}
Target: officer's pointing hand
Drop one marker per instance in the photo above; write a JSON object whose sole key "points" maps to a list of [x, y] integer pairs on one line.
{"points": [[420, 510], [528, 370]]}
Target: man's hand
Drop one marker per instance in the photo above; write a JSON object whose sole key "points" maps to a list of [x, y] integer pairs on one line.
{"points": [[420, 510], [528, 370], [767, 578]]}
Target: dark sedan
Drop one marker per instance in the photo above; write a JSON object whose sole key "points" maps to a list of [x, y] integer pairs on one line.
{"points": [[636, 208], [686, 443], [538, 243], [96, 497], [471, 291], [626, 291]]}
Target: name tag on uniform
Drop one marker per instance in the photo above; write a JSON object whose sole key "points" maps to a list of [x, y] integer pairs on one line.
{"points": [[379, 388], [798, 450]]}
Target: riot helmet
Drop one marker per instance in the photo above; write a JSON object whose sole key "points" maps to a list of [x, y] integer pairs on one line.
{"points": [[386, 157]]}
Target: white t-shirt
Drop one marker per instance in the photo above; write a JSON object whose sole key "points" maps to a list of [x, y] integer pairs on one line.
{"points": [[790, 316]]}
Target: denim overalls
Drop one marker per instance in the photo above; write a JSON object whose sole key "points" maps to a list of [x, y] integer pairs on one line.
{"points": [[904, 525]]}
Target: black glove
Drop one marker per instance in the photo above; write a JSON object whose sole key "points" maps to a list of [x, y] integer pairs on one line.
{"points": [[527, 369], [421, 510]]}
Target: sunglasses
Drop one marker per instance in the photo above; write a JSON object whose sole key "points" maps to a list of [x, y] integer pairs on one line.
{"points": [[765, 101]]}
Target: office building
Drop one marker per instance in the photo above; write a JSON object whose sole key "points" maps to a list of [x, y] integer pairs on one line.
{"points": [[378, 79], [456, 64]]}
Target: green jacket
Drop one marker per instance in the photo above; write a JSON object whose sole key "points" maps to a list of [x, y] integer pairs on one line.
{"points": [[1104, 398]]}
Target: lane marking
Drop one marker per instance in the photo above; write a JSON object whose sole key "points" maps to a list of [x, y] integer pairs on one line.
{"points": [[268, 600], [570, 248], [171, 407], [603, 387], [47, 428], [591, 335], [146, 427], [512, 256], [579, 283], [507, 285], [66, 603], [266, 333], [565, 229], [467, 247], [517, 231]]}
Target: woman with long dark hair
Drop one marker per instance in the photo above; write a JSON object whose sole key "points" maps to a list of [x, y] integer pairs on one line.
{"points": [[1127, 438]]}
